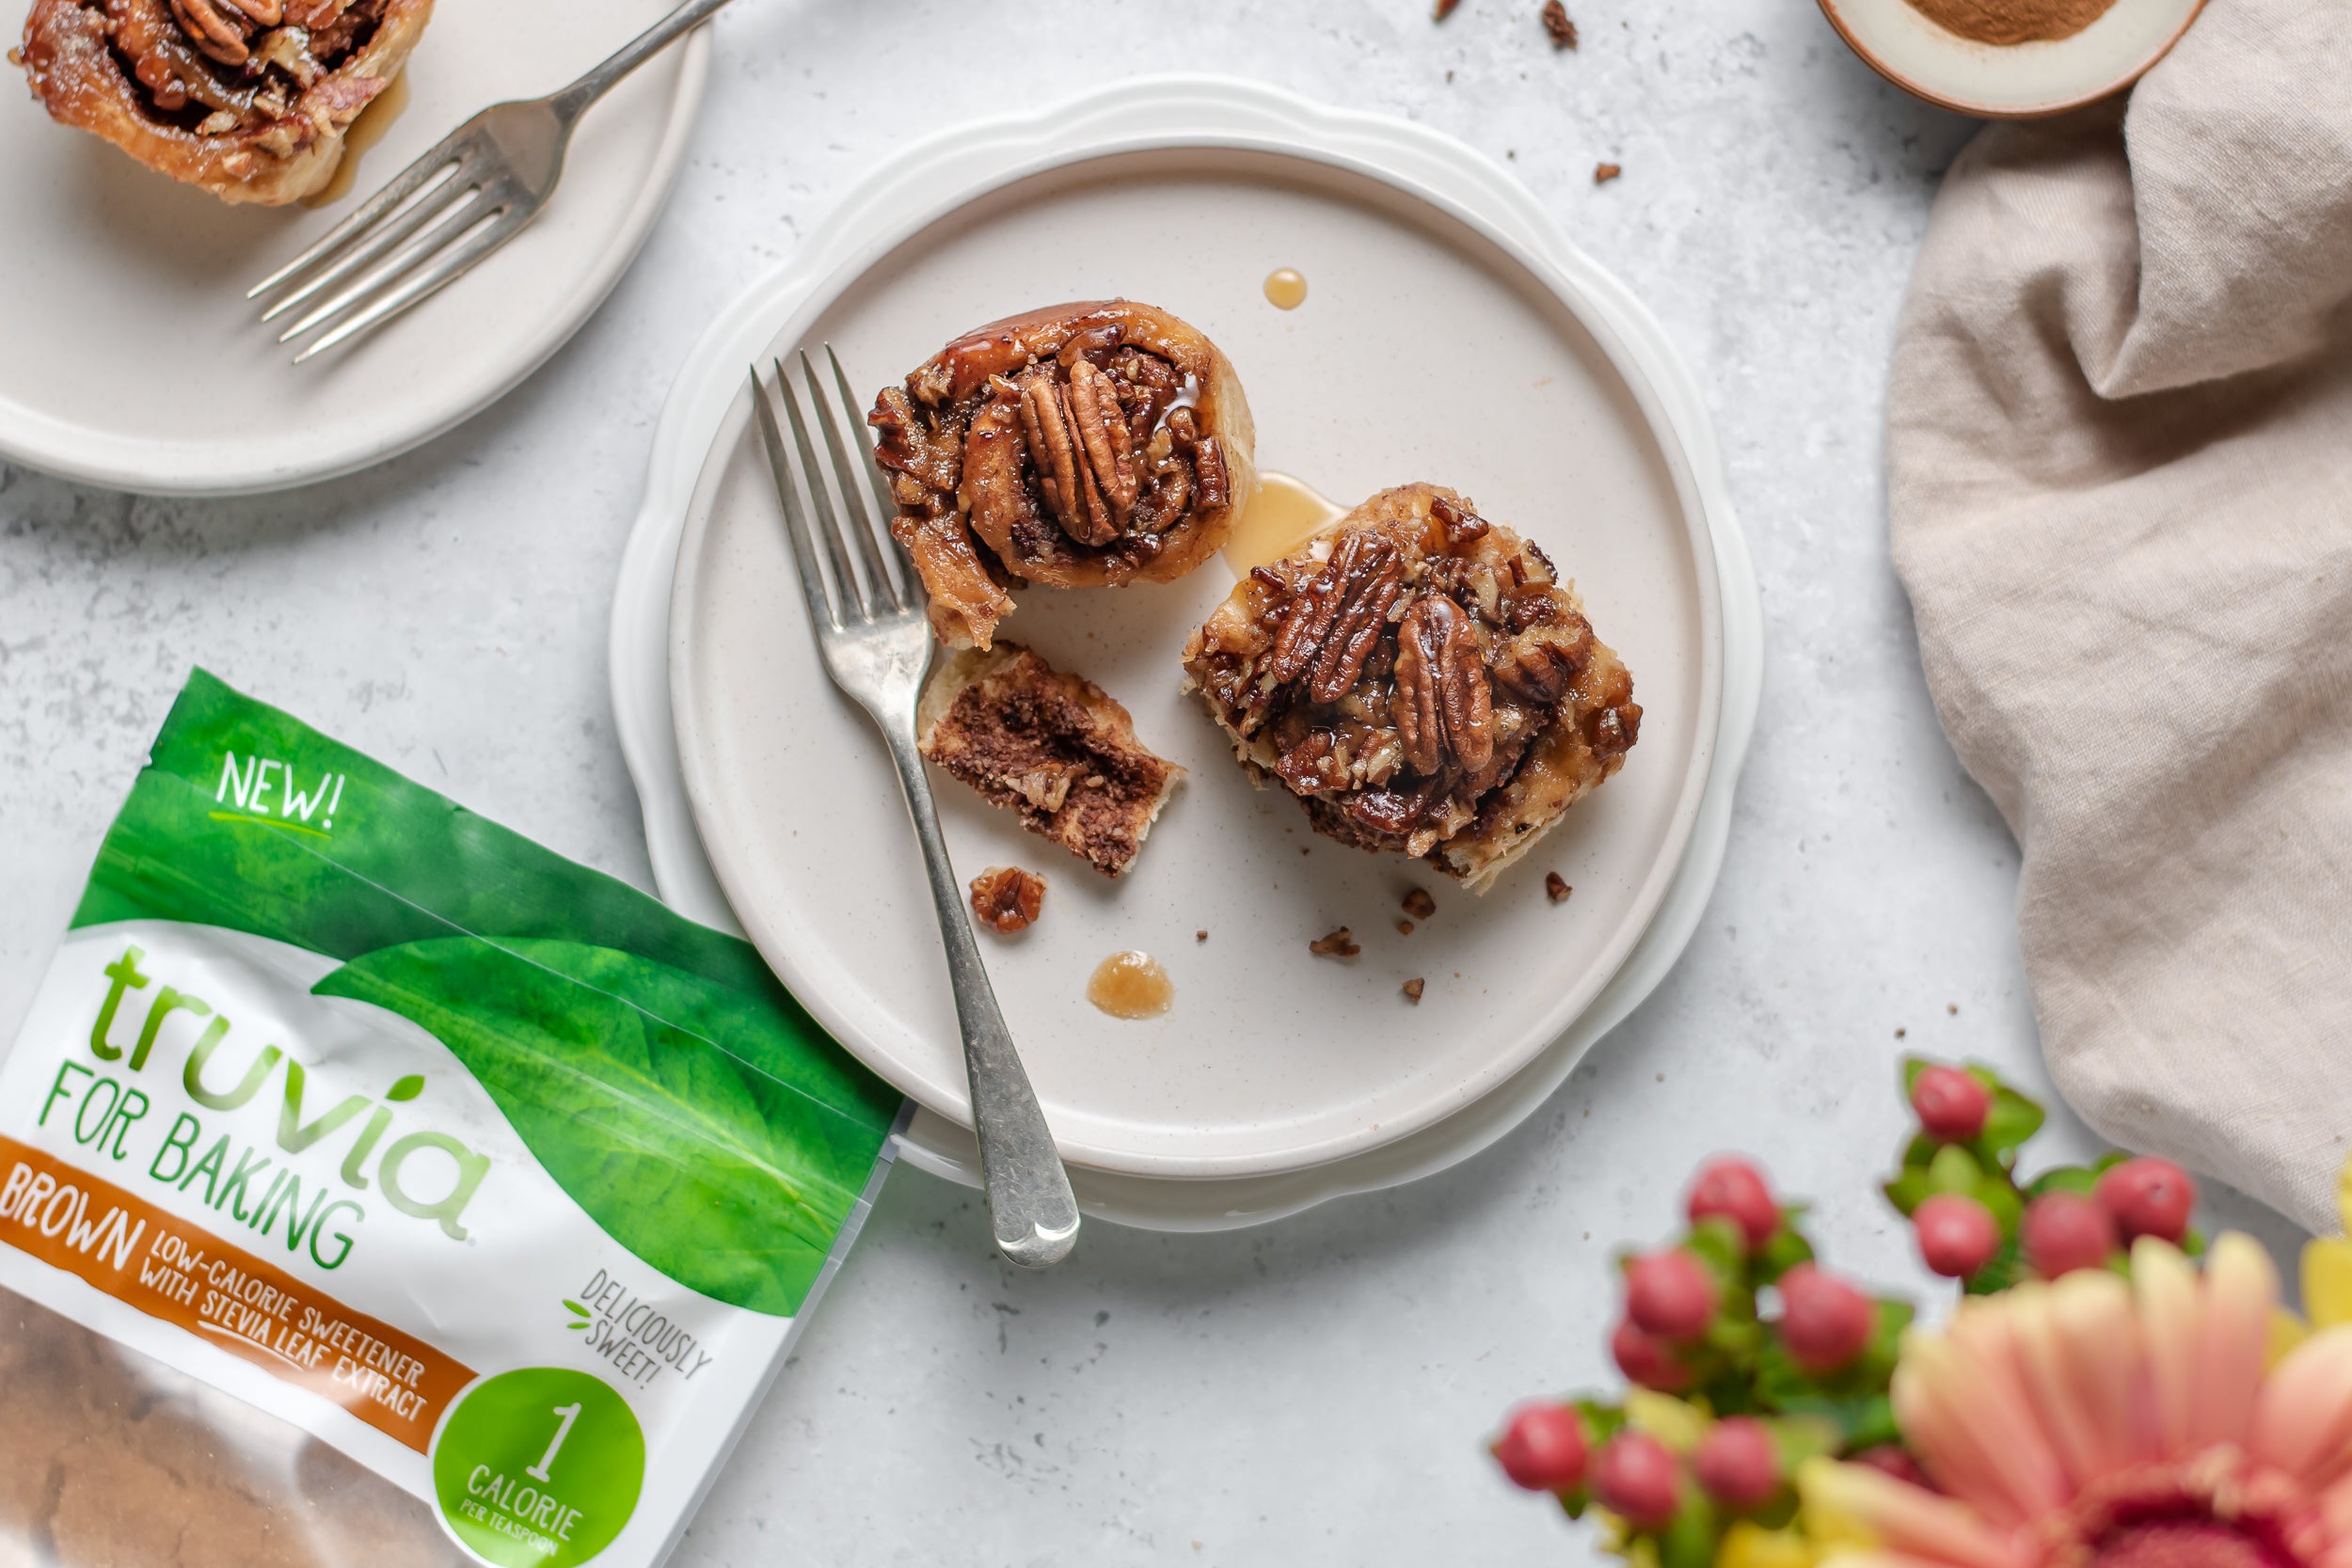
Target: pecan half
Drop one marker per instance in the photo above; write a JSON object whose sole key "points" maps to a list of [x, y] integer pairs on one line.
{"points": [[1336, 620], [1442, 704], [1103, 429], [212, 32], [1061, 455]]}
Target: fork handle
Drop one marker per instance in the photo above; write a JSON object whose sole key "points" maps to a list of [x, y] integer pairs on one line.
{"points": [[573, 101], [1030, 1206]]}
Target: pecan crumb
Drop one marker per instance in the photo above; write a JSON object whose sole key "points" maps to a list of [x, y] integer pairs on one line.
{"points": [[1443, 9], [1557, 887], [1557, 26], [1339, 944], [1199, 935], [1603, 173], [1405, 927], [1413, 989], [1419, 905], [1900, 1033], [1008, 899], [1952, 1007]]}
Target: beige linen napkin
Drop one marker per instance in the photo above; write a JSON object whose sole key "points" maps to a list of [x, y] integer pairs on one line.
{"points": [[2120, 454]]}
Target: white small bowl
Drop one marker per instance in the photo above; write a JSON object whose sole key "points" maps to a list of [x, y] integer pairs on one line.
{"points": [[2021, 81]]}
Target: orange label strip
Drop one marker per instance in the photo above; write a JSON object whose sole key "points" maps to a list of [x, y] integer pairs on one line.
{"points": [[187, 1277]]}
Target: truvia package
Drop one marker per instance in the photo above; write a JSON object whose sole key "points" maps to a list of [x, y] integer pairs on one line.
{"points": [[379, 1188]]}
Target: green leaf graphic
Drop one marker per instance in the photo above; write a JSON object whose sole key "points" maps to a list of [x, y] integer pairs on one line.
{"points": [[682, 1116]]}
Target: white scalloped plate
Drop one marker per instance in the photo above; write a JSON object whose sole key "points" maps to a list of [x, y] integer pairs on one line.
{"points": [[1613, 958], [2023, 80], [130, 358]]}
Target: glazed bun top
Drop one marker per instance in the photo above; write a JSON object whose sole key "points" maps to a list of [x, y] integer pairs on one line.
{"points": [[1078, 446]]}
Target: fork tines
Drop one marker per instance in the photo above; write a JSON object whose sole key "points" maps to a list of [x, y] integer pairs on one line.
{"points": [[856, 575], [424, 228]]}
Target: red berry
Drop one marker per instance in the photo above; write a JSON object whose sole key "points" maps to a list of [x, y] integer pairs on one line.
{"points": [[1543, 1448], [1887, 1459], [1738, 1464], [1957, 1235], [1639, 1479], [2148, 1197], [1648, 1361], [1733, 1189], [1951, 1104], [1824, 1322], [2065, 1231], [1671, 1294]]}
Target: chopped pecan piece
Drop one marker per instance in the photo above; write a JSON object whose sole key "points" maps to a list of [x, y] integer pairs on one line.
{"points": [[1556, 886], [1413, 989], [1341, 944], [1617, 729], [1303, 767], [1419, 905], [1443, 705], [1461, 525], [1537, 666], [1008, 899], [1557, 26]]}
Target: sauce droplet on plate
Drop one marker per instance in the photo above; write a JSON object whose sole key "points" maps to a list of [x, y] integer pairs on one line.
{"points": [[1283, 514], [1131, 985], [1286, 287]]}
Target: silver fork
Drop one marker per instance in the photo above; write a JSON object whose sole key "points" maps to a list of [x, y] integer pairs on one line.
{"points": [[877, 645], [444, 213]]}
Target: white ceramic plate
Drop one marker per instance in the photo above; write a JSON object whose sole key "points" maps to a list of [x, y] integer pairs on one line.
{"points": [[931, 173], [2017, 81], [1433, 347], [130, 358]]}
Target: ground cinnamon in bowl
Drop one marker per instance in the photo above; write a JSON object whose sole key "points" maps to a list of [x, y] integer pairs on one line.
{"points": [[2008, 21]]}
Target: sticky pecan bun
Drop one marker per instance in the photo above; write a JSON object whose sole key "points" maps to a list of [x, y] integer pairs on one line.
{"points": [[248, 99], [1421, 680], [1080, 446]]}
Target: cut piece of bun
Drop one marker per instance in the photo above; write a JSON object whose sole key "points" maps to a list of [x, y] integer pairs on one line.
{"points": [[1079, 446], [1054, 749], [1421, 680]]}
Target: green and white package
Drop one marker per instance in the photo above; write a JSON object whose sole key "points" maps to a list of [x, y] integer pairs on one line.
{"points": [[483, 1169]]}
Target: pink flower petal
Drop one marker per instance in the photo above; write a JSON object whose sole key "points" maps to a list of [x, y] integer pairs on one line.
{"points": [[1994, 1453], [2241, 1291], [2303, 1415], [2100, 1348], [2049, 1383], [1915, 1525], [2335, 1508], [1986, 1332], [2170, 1312], [1950, 1453]]}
